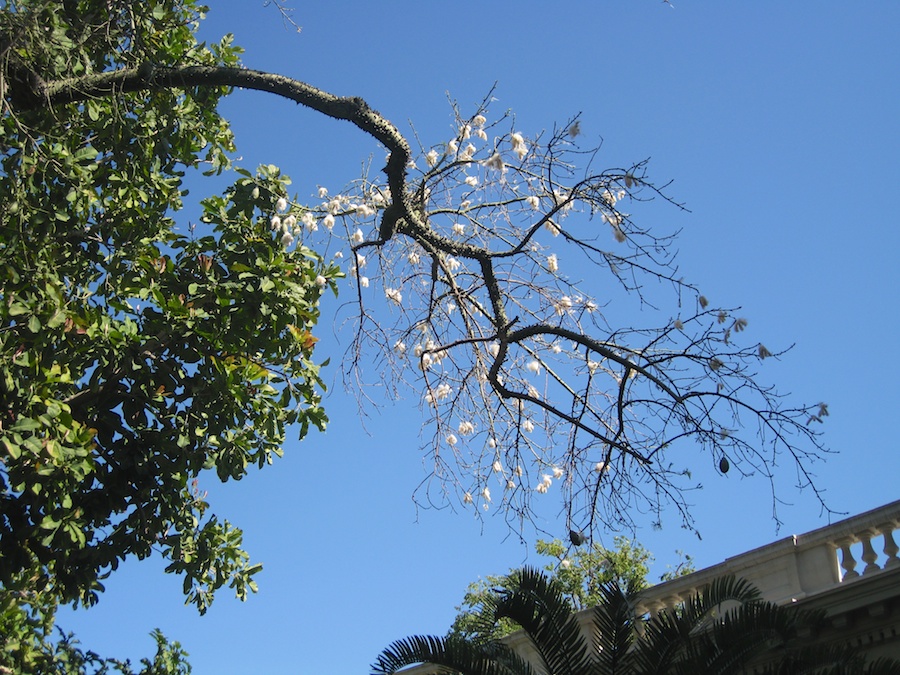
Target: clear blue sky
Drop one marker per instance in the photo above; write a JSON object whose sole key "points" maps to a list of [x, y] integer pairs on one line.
{"points": [[777, 123]]}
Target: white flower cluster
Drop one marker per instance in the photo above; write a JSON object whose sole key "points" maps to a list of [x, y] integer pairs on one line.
{"points": [[518, 145], [394, 295], [428, 358], [547, 479], [441, 392]]}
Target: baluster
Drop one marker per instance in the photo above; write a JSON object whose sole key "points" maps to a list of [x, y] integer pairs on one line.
{"points": [[890, 546], [868, 555], [848, 562]]}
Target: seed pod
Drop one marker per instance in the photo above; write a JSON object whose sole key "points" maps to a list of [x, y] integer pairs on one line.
{"points": [[576, 537]]}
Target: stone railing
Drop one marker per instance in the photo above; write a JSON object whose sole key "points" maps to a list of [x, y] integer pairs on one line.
{"points": [[800, 566]]}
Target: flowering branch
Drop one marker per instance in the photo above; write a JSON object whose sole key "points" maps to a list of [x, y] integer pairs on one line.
{"points": [[526, 378]]}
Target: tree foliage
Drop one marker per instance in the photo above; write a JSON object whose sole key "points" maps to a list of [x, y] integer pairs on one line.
{"points": [[135, 354], [580, 574]]}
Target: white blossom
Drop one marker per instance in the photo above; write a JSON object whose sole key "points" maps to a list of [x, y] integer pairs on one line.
{"points": [[281, 204], [441, 392], [552, 263], [394, 295], [495, 162], [518, 145], [563, 305], [309, 222]]}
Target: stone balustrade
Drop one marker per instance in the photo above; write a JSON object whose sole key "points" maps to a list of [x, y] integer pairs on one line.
{"points": [[800, 566]]}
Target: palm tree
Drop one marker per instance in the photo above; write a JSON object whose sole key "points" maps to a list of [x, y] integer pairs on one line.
{"points": [[721, 629]]}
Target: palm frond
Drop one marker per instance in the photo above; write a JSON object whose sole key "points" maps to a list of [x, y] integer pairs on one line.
{"points": [[538, 605], [615, 627], [451, 655]]}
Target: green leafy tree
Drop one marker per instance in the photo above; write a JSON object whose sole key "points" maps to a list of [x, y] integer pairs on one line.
{"points": [[724, 628], [135, 356], [579, 573]]}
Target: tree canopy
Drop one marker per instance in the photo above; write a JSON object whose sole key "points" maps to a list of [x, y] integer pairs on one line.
{"points": [[580, 574], [136, 354], [138, 351]]}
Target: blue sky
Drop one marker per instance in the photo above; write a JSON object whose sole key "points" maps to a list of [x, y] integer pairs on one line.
{"points": [[776, 123]]}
